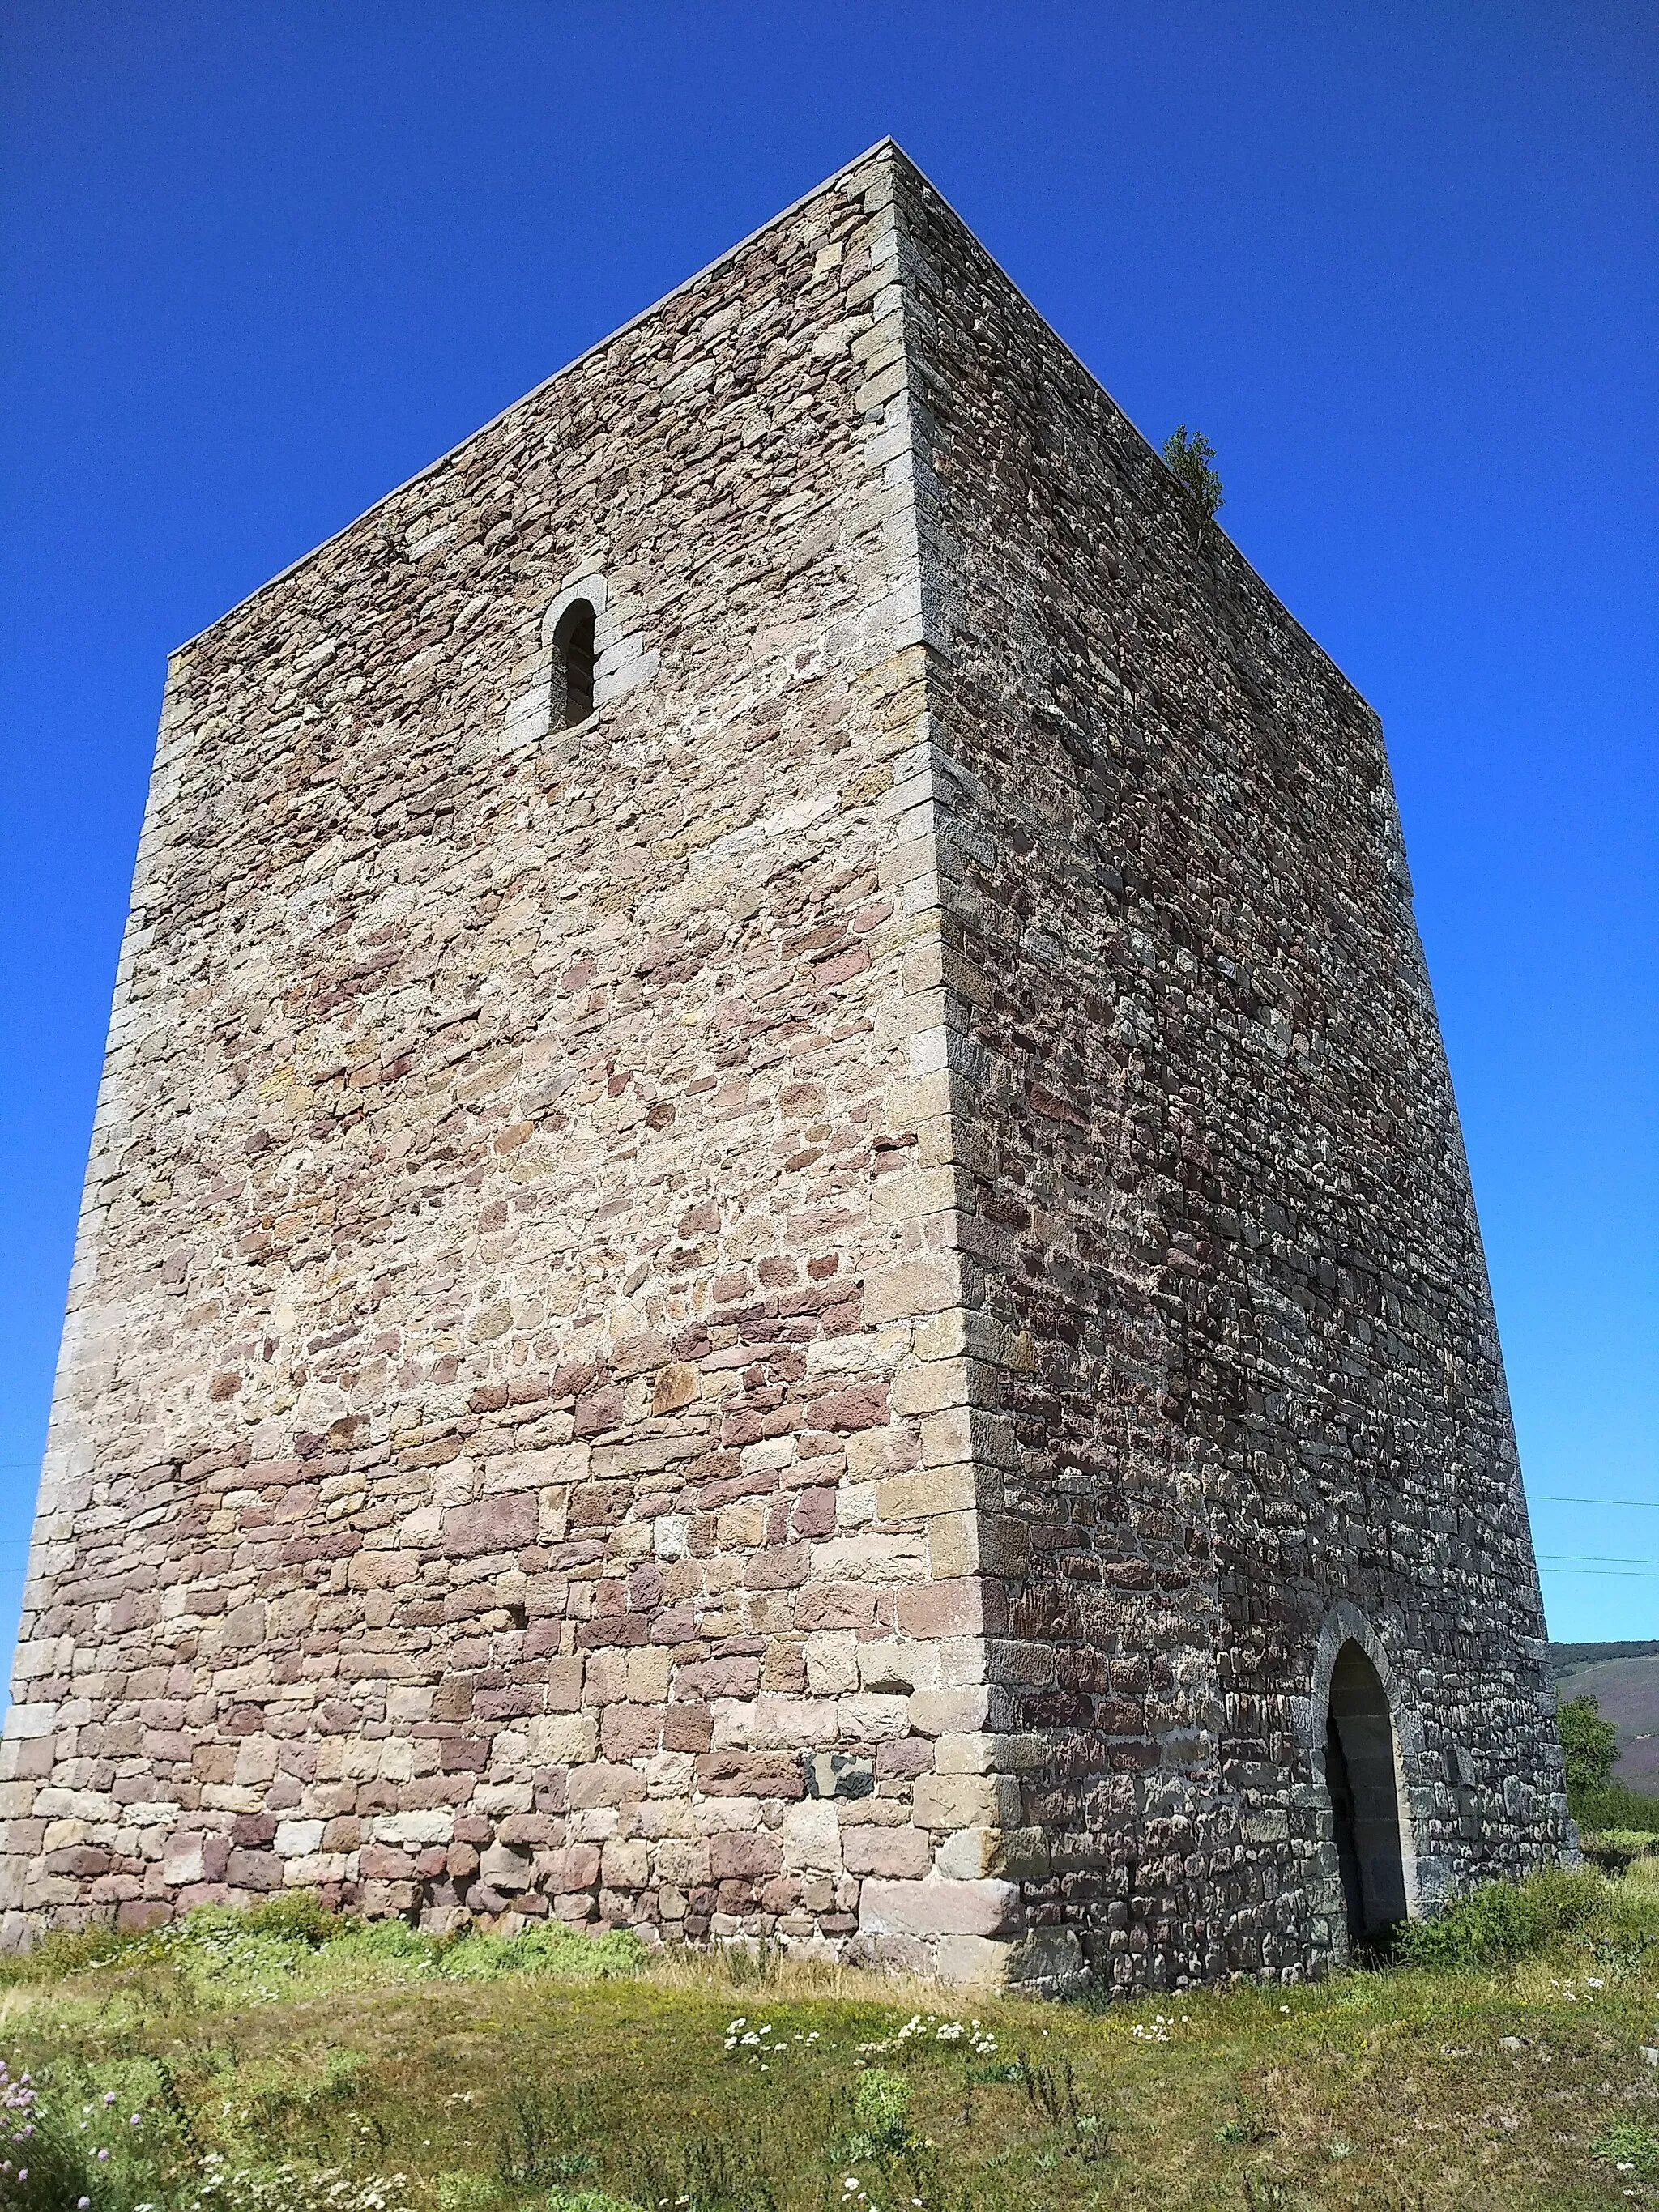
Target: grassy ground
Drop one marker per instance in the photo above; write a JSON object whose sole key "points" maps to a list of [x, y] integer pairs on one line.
{"points": [[268, 2072]]}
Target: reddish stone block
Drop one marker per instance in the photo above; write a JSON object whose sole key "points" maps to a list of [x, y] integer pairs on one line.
{"points": [[597, 1411], [836, 1605], [719, 1678], [493, 1524], [630, 1731], [575, 1868], [83, 1860], [742, 1854], [615, 1631], [862, 1406], [814, 1513], [258, 1871], [971, 1607], [464, 1754], [384, 1863], [774, 1774], [687, 1728]]}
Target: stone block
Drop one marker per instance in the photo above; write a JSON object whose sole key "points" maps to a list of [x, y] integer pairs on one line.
{"points": [[964, 1606], [893, 1665], [493, 1524], [893, 1854], [811, 1836], [914, 1287], [625, 1865], [832, 1663], [1017, 1855], [938, 1907], [298, 1838], [925, 1492], [563, 1739], [871, 1719], [744, 1855], [948, 1713], [966, 1800]]}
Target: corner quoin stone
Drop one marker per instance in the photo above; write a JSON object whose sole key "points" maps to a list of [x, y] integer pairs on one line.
{"points": [[810, 1306]]}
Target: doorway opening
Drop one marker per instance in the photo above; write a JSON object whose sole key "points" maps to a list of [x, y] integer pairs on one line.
{"points": [[1362, 1775]]}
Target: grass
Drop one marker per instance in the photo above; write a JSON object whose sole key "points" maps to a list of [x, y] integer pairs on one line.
{"points": [[283, 2061]]}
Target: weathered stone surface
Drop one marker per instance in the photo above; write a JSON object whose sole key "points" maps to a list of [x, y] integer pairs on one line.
{"points": [[800, 1307]]}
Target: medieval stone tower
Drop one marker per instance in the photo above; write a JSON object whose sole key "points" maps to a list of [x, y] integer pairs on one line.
{"points": [[776, 1239]]}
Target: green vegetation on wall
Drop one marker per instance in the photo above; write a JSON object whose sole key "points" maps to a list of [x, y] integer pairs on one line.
{"points": [[1190, 456]]}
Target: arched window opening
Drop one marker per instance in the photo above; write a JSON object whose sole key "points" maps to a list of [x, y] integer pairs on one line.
{"points": [[1362, 1775], [573, 664]]}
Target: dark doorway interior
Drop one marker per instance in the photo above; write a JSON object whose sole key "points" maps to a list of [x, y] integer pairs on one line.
{"points": [[1360, 1775]]}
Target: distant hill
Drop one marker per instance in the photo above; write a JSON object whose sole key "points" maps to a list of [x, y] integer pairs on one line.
{"points": [[1623, 1680], [1564, 1655]]}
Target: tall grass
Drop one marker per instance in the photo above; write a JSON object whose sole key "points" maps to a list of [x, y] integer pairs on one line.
{"points": [[1504, 1922], [1615, 1806]]}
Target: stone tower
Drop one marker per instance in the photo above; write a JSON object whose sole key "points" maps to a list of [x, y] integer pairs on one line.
{"points": [[776, 1240]]}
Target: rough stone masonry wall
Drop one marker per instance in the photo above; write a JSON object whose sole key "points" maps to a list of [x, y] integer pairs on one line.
{"points": [[803, 1309], [508, 1453], [1237, 1384]]}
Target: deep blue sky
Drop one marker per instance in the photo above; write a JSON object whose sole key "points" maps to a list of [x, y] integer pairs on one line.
{"points": [[260, 263]]}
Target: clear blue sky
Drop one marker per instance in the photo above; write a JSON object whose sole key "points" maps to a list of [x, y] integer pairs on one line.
{"points": [[260, 263]]}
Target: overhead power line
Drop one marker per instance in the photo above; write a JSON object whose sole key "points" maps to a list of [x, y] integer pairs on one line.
{"points": [[1550, 1497]]}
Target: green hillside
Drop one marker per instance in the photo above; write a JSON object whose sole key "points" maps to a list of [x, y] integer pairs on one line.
{"points": [[1623, 1680]]}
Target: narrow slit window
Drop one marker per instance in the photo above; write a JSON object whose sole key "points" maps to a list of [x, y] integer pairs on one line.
{"points": [[572, 660]]}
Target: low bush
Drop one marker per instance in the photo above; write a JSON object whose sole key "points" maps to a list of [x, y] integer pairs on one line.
{"points": [[1629, 2147], [61, 1953], [550, 1948], [296, 1915], [1503, 1922], [1614, 1806], [881, 2114]]}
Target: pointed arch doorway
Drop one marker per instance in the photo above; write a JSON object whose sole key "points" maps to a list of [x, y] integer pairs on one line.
{"points": [[1362, 1774]]}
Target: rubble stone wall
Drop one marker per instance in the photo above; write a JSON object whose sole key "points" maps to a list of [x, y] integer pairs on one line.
{"points": [[1235, 1367], [504, 1413]]}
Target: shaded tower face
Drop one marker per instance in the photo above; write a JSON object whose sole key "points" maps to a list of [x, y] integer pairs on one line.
{"points": [[775, 1243]]}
